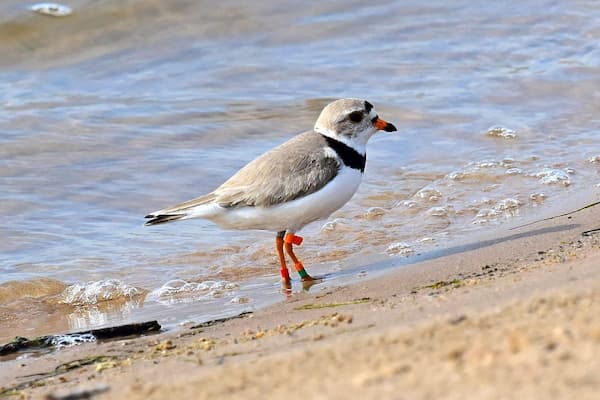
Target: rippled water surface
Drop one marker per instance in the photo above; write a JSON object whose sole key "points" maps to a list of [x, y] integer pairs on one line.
{"points": [[124, 107]]}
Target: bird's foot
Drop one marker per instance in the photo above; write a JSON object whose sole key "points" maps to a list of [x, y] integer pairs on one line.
{"points": [[310, 281], [306, 285], [286, 286]]}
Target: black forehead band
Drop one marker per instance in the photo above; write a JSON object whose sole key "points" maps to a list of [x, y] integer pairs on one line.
{"points": [[368, 106]]}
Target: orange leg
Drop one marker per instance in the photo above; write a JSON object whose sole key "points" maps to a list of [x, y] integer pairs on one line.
{"points": [[290, 240], [285, 275]]}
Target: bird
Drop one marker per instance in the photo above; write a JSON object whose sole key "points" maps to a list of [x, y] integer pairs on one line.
{"points": [[303, 180]]}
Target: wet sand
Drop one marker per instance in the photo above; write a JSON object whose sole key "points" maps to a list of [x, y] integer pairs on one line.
{"points": [[515, 314]]}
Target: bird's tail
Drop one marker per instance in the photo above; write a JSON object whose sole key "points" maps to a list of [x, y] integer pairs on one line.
{"points": [[190, 209]]}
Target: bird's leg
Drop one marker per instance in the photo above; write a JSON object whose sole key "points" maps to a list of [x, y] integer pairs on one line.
{"points": [[290, 240], [285, 275]]}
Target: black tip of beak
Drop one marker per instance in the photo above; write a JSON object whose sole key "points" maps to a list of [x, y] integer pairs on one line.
{"points": [[390, 128]]}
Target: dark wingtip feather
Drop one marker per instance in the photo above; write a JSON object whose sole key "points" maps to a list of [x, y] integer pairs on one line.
{"points": [[162, 218]]}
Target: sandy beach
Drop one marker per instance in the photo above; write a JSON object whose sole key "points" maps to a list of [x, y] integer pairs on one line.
{"points": [[512, 315]]}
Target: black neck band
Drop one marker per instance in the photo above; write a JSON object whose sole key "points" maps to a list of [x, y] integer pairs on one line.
{"points": [[350, 157]]}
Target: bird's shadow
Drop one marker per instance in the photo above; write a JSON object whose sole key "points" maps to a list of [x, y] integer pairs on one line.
{"points": [[395, 262]]}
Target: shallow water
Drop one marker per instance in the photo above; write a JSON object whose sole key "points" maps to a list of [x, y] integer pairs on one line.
{"points": [[124, 107]]}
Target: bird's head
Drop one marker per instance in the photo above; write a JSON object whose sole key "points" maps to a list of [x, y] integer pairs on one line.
{"points": [[352, 121]]}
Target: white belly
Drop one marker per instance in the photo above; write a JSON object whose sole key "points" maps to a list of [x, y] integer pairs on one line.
{"points": [[293, 215]]}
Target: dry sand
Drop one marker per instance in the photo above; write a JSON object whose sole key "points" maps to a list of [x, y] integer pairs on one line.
{"points": [[512, 315]]}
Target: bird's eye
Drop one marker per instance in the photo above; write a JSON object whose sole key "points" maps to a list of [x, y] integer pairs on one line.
{"points": [[356, 116]]}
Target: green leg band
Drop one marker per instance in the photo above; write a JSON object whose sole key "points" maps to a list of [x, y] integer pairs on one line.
{"points": [[303, 274]]}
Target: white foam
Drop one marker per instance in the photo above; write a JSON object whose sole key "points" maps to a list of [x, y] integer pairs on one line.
{"points": [[409, 203], [507, 207], [240, 300], [486, 215], [537, 197], [52, 9], [501, 132], [508, 204], [438, 211], [400, 248], [549, 176], [487, 164], [375, 212], [180, 287], [72, 340], [457, 175], [594, 159], [94, 292], [429, 194], [335, 224]]}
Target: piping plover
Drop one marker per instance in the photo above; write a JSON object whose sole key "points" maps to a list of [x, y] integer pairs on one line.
{"points": [[300, 181]]}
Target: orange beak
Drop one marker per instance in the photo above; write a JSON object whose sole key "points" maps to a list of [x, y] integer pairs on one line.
{"points": [[382, 125]]}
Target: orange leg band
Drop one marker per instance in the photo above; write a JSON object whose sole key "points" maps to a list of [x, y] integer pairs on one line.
{"points": [[290, 238]]}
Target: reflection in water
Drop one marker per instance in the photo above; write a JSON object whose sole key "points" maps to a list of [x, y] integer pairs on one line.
{"points": [[94, 316]]}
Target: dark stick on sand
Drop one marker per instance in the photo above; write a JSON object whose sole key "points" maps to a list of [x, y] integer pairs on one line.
{"points": [[245, 314], [21, 343], [558, 216]]}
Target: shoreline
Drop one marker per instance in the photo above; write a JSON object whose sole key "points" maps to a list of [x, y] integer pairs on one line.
{"points": [[526, 298]]}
